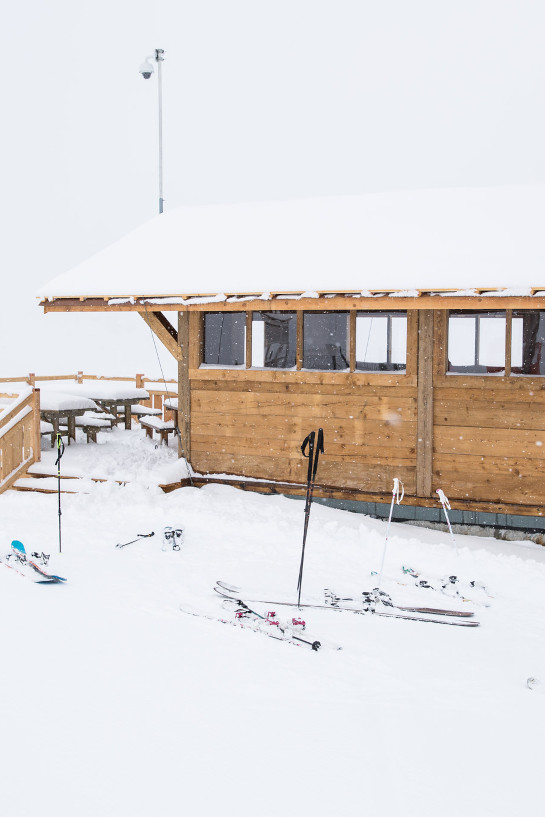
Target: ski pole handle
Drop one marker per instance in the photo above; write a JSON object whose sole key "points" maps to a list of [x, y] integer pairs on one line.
{"points": [[319, 450], [443, 499], [396, 494], [308, 442]]}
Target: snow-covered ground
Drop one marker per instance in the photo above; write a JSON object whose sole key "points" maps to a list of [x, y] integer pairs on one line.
{"points": [[116, 703]]}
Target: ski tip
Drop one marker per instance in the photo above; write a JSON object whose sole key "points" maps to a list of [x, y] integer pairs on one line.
{"points": [[17, 545]]}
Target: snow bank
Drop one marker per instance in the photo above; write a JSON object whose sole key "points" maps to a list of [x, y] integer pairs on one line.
{"points": [[121, 706]]}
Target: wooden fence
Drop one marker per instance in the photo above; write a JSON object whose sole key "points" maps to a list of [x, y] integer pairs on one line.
{"points": [[157, 396], [19, 436]]}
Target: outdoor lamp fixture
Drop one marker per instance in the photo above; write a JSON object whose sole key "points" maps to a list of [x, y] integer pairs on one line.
{"points": [[146, 69]]}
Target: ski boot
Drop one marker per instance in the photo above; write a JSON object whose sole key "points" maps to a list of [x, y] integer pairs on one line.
{"points": [[41, 558], [298, 624], [172, 538], [168, 538]]}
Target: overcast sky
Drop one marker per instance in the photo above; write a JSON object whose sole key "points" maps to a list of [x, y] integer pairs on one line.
{"points": [[261, 100]]}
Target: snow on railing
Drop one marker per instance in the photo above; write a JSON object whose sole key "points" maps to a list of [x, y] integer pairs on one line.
{"points": [[160, 392]]}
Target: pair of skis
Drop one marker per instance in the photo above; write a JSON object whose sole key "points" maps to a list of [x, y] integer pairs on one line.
{"points": [[452, 587], [28, 565], [374, 602], [247, 618]]}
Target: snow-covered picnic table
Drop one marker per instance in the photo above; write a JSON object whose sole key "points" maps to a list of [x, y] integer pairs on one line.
{"points": [[111, 396], [57, 405]]}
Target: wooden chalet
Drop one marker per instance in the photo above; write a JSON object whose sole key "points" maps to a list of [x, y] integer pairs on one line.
{"points": [[410, 326]]}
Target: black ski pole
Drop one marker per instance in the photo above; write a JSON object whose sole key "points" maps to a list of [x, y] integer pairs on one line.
{"points": [[139, 537], [315, 448], [60, 452]]}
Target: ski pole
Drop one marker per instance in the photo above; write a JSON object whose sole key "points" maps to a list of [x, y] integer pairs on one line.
{"points": [[313, 454], [60, 452], [396, 498], [446, 504], [139, 536]]}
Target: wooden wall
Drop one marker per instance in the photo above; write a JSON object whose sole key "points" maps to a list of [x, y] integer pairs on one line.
{"points": [[252, 422], [479, 438], [488, 434]]}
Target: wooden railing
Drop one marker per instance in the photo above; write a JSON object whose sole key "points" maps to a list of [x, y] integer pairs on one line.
{"points": [[157, 396], [19, 436]]}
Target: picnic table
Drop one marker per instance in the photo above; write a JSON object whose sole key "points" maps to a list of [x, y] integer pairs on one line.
{"points": [[55, 406], [113, 397]]}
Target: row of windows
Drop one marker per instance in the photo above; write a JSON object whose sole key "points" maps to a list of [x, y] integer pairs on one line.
{"points": [[478, 342], [381, 340]]}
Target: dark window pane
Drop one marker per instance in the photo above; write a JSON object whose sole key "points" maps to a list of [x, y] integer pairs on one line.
{"points": [[476, 342], [274, 339], [381, 341], [325, 340], [527, 343], [224, 338]]}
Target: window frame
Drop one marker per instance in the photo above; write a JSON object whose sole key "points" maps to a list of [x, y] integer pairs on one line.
{"points": [[344, 355], [391, 368], [508, 371], [250, 320], [218, 365]]}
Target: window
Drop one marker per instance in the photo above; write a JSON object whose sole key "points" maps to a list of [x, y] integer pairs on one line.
{"points": [[476, 342], [325, 340], [274, 339], [381, 341], [527, 342], [224, 338]]}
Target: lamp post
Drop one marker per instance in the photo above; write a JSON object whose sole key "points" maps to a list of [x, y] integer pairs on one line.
{"points": [[146, 69]]}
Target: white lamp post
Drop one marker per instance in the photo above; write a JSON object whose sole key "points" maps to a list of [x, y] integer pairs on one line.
{"points": [[146, 69]]}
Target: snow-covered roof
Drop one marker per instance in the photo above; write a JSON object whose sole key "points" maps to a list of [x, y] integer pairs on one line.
{"points": [[426, 240]]}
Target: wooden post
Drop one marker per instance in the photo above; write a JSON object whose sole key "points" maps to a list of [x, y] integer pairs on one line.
{"points": [[508, 339], [299, 340], [424, 424], [80, 377], [184, 389], [31, 379], [139, 379], [352, 340], [37, 440], [248, 352]]}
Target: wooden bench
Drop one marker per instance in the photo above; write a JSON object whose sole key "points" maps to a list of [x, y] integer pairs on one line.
{"points": [[163, 428], [48, 430], [145, 411], [91, 424]]}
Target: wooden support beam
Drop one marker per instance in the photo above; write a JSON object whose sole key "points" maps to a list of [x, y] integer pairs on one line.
{"points": [[249, 315], [299, 340], [184, 387], [424, 418], [164, 330], [508, 340], [352, 340]]}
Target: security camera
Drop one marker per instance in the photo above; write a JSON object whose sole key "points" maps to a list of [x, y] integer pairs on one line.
{"points": [[146, 69]]}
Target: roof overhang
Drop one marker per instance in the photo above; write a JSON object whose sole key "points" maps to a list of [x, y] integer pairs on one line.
{"points": [[489, 299]]}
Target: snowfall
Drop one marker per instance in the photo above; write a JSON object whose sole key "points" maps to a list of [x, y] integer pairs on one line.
{"points": [[115, 702]]}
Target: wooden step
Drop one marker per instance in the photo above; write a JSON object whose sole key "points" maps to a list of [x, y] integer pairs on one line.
{"points": [[45, 483]]}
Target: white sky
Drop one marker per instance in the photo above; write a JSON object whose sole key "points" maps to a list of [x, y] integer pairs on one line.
{"points": [[261, 100]]}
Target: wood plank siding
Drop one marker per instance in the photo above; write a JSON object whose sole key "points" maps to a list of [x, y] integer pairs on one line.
{"points": [[479, 438]]}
